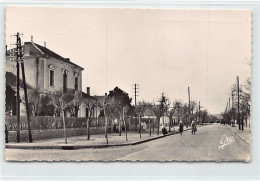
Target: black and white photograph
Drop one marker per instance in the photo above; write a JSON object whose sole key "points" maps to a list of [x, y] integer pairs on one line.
{"points": [[127, 84]]}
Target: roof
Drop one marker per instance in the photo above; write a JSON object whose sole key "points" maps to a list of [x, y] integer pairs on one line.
{"points": [[36, 49]]}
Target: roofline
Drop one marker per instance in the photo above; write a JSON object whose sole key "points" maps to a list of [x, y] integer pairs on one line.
{"points": [[42, 53]]}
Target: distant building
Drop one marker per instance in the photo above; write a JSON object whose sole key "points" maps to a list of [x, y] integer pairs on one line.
{"points": [[96, 112]]}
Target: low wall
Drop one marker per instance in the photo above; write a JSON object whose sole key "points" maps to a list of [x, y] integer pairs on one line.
{"points": [[53, 133]]}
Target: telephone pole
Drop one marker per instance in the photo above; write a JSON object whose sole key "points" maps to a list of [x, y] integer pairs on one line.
{"points": [[199, 113], [189, 104], [25, 90], [19, 59], [17, 89], [238, 111], [136, 91]]}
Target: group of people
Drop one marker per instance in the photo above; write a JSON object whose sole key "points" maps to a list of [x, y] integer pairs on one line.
{"points": [[193, 127]]}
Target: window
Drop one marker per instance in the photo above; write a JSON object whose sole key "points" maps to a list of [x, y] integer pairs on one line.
{"points": [[76, 83], [64, 83], [51, 75], [65, 77], [52, 78]]}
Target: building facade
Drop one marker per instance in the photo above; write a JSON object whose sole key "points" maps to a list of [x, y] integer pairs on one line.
{"points": [[45, 71]]}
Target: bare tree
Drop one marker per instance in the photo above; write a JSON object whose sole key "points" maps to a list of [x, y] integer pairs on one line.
{"points": [[160, 109], [75, 104], [121, 102], [139, 110], [61, 101], [90, 103]]}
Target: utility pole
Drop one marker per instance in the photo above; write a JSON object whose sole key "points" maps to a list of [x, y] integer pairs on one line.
{"points": [[189, 103], [17, 89], [232, 106], [199, 113], [25, 88], [136, 91], [229, 109], [238, 111]]}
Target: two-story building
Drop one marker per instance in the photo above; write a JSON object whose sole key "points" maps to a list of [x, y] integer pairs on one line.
{"points": [[45, 71]]}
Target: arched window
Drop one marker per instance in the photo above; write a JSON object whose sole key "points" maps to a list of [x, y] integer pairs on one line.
{"points": [[51, 75], [65, 80]]}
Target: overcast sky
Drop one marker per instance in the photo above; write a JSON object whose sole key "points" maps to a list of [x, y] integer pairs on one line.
{"points": [[161, 50]]}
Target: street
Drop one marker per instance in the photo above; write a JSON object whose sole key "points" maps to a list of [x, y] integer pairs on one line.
{"points": [[211, 143]]}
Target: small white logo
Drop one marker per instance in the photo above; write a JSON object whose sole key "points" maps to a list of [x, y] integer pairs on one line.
{"points": [[225, 140]]}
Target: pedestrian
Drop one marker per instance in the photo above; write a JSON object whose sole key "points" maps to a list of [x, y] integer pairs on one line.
{"points": [[193, 127], [164, 131], [181, 127]]}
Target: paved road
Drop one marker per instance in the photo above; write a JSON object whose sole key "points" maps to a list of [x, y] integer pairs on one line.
{"points": [[204, 146]]}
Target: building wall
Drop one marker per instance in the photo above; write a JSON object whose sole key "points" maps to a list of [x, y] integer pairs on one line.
{"points": [[29, 67], [58, 75], [37, 75], [82, 112]]}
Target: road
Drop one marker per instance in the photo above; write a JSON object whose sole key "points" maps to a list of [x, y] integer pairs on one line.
{"points": [[206, 145]]}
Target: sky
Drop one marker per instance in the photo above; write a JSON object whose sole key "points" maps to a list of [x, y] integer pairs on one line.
{"points": [[161, 50]]}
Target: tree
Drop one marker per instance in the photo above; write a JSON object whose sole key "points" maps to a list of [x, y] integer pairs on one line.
{"points": [[171, 112], [244, 101], [9, 98], [75, 104], [139, 110], [61, 101], [90, 103], [40, 104], [120, 102], [204, 116], [160, 109]]}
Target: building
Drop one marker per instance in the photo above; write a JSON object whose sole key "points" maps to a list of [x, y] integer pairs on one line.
{"points": [[45, 71]]}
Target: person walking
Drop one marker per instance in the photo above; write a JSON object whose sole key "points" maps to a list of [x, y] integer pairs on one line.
{"points": [[181, 127], [193, 127]]}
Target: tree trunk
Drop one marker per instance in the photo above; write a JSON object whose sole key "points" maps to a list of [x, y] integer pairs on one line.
{"points": [[76, 111], [64, 126], [105, 126], [242, 123], [246, 121], [158, 125], [150, 127], [119, 125], [129, 123], [140, 130], [88, 128], [153, 124], [170, 123], [125, 126]]}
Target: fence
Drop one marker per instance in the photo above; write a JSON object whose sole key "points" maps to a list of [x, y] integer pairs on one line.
{"points": [[47, 127], [48, 122]]}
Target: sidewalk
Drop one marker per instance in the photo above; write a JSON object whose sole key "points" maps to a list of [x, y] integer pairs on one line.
{"points": [[244, 135], [96, 141]]}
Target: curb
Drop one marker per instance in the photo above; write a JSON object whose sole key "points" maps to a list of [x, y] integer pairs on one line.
{"points": [[77, 147], [241, 137]]}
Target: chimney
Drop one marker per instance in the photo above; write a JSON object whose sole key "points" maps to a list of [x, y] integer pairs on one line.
{"points": [[88, 91], [45, 44], [32, 39]]}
